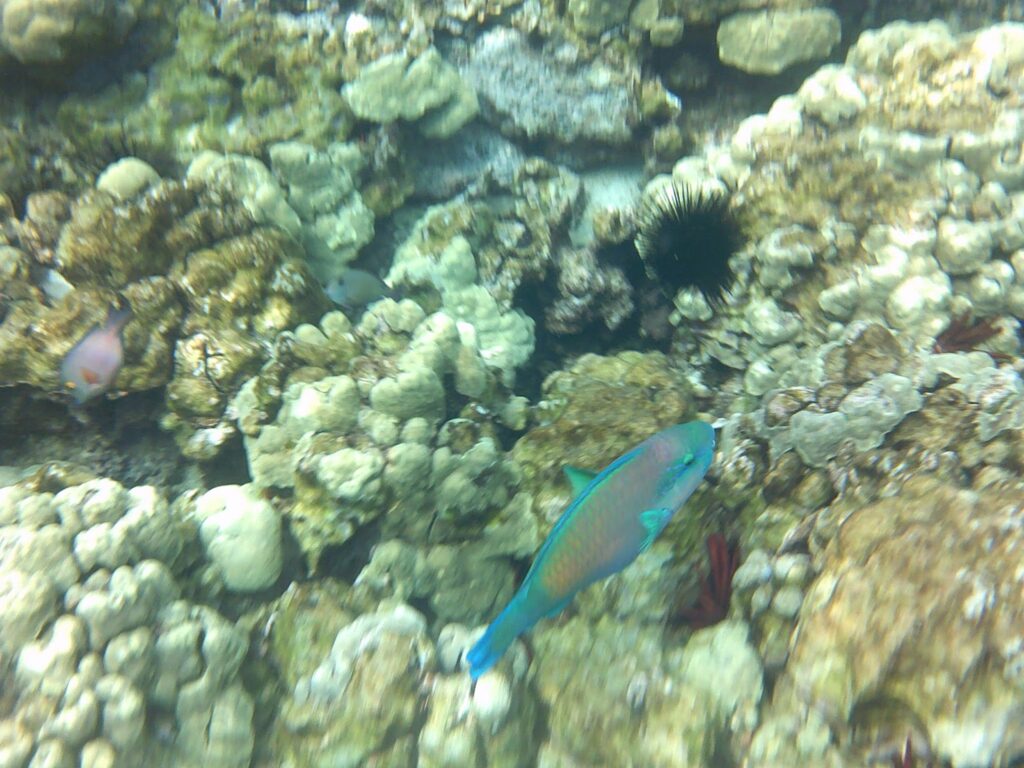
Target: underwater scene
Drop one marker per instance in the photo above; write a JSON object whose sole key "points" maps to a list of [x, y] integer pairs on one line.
{"points": [[511, 383]]}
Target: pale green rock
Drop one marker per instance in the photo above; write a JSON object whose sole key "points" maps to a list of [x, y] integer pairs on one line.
{"points": [[451, 266], [667, 32], [889, 645], [920, 303], [360, 705], [721, 663], [407, 473], [449, 118], [59, 32], [592, 17], [439, 743], [327, 405], [467, 485], [832, 94], [330, 404], [767, 42], [241, 533], [127, 177], [786, 602], [251, 183], [504, 338], [614, 678], [336, 223], [396, 87], [410, 393], [333, 240], [358, 423], [963, 246], [644, 14], [350, 474], [816, 436], [462, 582], [876, 407], [271, 456], [769, 324], [314, 182], [28, 602]]}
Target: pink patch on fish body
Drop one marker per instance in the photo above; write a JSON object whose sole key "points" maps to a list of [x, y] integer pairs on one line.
{"points": [[91, 366]]}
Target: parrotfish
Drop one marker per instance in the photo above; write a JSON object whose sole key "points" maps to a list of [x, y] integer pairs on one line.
{"points": [[615, 516], [91, 366]]}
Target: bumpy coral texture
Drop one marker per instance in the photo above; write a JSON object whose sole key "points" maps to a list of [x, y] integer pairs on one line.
{"points": [[47, 32], [202, 280], [106, 654]]}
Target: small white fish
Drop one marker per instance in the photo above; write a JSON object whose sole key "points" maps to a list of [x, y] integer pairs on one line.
{"points": [[357, 288], [91, 366]]}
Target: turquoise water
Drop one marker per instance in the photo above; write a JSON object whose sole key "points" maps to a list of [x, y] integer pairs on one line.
{"points": [[306, 307]]}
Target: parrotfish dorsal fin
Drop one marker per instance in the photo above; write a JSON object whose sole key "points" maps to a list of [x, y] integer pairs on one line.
{"points": [[578, 478]]}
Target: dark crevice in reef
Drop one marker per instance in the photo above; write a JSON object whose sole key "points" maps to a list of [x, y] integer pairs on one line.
{"points": [[110, 438], [345, 561], [716, 97], [293, 560], [454, 401], [555, 351], [230, 467]]}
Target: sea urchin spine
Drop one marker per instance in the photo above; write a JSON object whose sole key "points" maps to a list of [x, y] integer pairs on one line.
{"points": [[686, 239]]}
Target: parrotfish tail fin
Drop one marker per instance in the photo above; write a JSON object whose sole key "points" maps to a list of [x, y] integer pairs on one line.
{"points": [[491, 646]]}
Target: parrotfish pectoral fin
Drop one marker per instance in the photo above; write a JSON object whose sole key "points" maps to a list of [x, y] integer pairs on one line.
{"points": [[578, 478], [653, 521]]}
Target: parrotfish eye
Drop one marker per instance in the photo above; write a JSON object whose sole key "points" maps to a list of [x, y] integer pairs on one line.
{"points": [[687, 460]]}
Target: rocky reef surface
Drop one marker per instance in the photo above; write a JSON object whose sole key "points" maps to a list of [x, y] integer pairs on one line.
{"points": [[330, 502]]}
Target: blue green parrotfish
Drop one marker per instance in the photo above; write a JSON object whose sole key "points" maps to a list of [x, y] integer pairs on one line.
{"points": [[615, 516]]}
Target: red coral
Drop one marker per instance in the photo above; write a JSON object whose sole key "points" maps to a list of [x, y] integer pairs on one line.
{"points": [[713, 604], [963, 335]]}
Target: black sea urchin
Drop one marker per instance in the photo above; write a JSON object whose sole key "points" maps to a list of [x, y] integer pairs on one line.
{"points": [[686, 239]]}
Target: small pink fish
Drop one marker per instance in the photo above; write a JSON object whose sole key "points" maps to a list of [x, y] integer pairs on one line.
{"points": [[92, 364]]}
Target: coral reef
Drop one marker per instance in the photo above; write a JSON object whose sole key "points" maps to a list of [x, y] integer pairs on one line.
{"points": [[205, 285], [106, 660], [901, 645], [682, 698], [61, 31], [340, 669], [364, 430], [553, 96], [767, 42], [348, 496], [593, 412]]}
